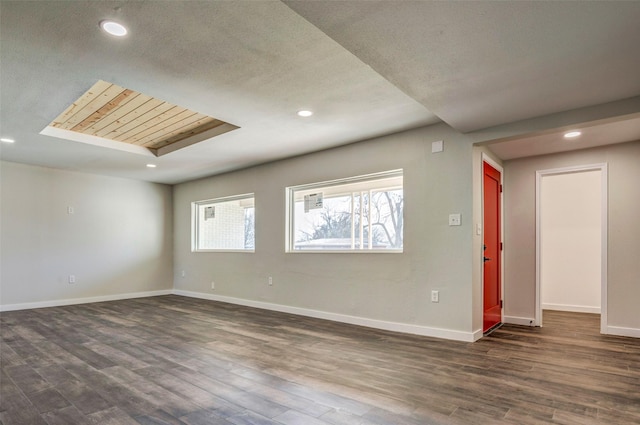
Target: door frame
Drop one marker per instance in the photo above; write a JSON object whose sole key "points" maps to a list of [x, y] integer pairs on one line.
{"points": [[602, 167], [486, 158]]}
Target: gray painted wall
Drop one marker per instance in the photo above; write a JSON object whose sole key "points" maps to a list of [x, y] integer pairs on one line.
{"points": [[134, 237], [624, 232], [117, 241], [387, 287]]}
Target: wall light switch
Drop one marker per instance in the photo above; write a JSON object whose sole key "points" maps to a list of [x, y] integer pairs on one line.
{"points": [[454, 220], [437, 146]]}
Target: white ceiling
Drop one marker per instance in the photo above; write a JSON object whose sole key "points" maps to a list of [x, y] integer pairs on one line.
{"points": [[596, 133], [365, 68]]}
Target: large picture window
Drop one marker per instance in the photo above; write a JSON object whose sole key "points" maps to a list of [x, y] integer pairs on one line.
{"points": [[224, 224], [358, 214]]}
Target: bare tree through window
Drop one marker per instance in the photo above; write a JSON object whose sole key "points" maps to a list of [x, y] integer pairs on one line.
{"points": [[370, 217]]}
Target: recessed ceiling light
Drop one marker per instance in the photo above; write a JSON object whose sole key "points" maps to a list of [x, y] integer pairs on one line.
{"points": [[572, 134], [305, 113], [151, 165], [7, 140], [113, 28]]}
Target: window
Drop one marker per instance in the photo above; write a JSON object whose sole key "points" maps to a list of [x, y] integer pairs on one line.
{"points": [[358, 214], [224, 224]]}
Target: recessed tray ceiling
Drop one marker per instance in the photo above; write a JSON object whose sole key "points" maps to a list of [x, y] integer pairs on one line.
{"points": [[108, 113]]}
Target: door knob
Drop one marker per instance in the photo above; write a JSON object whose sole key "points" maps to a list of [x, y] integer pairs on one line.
{"points": [[485, 259]]}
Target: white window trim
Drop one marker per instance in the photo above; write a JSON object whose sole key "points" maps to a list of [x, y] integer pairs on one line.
{"points": [[290, 202], [195, 218]]}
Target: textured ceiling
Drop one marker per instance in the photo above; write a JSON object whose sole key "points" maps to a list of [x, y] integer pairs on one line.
{"points": [[479, 64], [595, 133], [365, 68]]}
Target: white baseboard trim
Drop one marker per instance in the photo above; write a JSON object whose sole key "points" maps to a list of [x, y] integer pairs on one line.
{"points": [[73, 301], [477, 335], [524, 321], [336, 317], [572, 308], [619, 331]]}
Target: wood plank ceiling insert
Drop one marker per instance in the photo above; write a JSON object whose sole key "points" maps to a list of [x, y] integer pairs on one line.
{"points": [[108, 111]]}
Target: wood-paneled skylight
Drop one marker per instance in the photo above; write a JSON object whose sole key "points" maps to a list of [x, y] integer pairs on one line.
{"points": [[117, 114]]}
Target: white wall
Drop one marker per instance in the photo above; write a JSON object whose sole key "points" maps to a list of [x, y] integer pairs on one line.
{"points": [[117, 242], [623, 271], [384, 290], [570, 227]]}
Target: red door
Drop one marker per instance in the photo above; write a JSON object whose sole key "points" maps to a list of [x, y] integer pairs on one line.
{"points": [[492, 249]]}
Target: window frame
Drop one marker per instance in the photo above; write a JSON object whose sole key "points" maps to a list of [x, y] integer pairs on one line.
{"points": [[195, 222], [290, 231]]}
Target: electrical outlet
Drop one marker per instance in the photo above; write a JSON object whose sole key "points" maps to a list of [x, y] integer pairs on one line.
{"points": [[435, 296], [72, 278], [213, 285], [183, 273], [454, 220], [270, 281]]}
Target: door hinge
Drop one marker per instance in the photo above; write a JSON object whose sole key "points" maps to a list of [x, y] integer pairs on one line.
{"points": [[501, 304], [501, 246], [500, 188]]}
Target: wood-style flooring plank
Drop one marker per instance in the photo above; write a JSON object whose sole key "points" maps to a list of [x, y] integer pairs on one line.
{"points": [[66, 416], [174, 360]]}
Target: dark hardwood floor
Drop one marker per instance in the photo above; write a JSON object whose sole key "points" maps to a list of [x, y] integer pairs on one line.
{"points": [[177, 360]]}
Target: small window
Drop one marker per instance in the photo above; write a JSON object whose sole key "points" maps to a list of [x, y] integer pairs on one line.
{"points": [[224, 224], [358, 214]]}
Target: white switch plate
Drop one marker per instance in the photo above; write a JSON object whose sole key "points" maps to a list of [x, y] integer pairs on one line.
{"points": [[437, 146], [454, 220]]}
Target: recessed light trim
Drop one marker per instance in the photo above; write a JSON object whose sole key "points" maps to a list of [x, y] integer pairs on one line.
{"points": [[305, 113], [113, 28], [151, 165], [572, 134], [7, 140]]}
